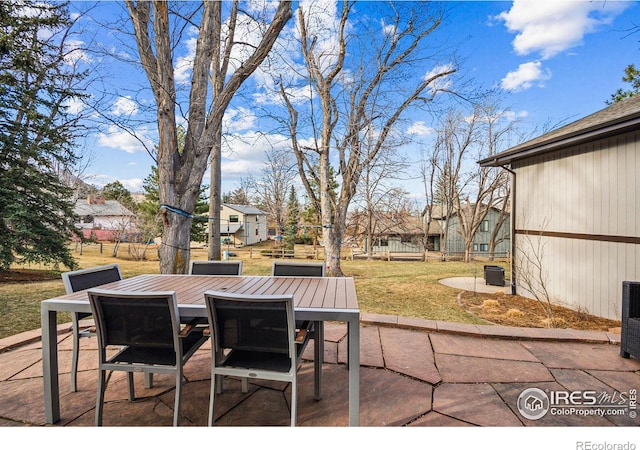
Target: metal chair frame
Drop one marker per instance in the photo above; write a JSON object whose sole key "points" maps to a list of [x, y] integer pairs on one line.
{"points": [[78, 280], [297, 269], [215, 268], [145, 343], [223, 360]]}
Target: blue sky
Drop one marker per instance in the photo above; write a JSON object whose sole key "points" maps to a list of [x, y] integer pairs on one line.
{"points": [[556, 61]]}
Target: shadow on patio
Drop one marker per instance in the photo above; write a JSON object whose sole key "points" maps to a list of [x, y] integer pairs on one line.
{"points": [[413, 372]]}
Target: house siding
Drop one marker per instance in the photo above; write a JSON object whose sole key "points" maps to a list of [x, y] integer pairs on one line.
{"points": [[455, 242], [254, 225], [582, 204]]}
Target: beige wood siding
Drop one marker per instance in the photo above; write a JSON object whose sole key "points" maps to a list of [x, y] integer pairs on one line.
{"points": [[586, 200]]}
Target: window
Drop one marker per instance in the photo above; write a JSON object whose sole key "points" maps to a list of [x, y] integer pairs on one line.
{"points": [[484, 226], [484, 247], [475, 247], [233, 219]]}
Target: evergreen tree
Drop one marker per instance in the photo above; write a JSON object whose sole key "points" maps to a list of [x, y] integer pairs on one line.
{"points": [[293, 218], [631, 76], [116, 191], [36, 133]]}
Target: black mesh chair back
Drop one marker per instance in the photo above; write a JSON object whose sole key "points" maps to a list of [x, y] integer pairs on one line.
{"points": [[139, 323], [253, 337], [290, 269], [256, 332], [630, 329], [145, 326], [89, 278], [79, 280], [216, 268]]}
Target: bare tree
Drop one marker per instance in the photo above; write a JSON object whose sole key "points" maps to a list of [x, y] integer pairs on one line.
{"points": [[470, 193], [273, 187], [428, 177], [532, 273], [454, 139], [355, 99], [181, 172], [377, 193]]}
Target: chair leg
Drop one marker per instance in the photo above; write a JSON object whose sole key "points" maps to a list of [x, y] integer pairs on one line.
{"points": [[148, 380], [100, 397], [75, 351], [318, 359], [220, 384], [294, 402], [132, 393], [212, 397], [245, 385], [176, 407]]}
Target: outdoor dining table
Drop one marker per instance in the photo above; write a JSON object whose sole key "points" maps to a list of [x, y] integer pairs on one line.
{"points": [[316, 299]]}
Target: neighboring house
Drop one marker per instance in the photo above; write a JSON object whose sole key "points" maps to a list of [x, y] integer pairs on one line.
{"points": [[407, 236], [576, 209], [103, 219], [482, 238], [243, 225]]}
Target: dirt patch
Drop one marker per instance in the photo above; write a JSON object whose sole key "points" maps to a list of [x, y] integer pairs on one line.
{"points": [[27, 275], [513, 310]]}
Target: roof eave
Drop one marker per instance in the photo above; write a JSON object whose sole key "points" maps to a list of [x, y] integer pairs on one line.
{"points": [[527, 151]]}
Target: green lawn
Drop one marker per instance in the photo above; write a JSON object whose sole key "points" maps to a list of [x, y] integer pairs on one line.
{"points": [[405, 288]]}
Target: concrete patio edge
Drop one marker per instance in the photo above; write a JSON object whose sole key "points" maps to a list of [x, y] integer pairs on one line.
{"points": [[412, 323]]}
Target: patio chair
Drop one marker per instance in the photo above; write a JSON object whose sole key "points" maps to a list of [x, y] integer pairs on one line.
{"points": [[145, 325], [254, 337], [297, 269], [630, 331], [215, 268], [76, 281]]}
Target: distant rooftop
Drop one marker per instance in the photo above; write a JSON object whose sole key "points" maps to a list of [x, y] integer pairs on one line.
{"points": [[245, 209], [101, 207]]}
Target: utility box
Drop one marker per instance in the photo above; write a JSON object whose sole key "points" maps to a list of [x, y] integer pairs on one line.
{"points": [[494, 275]]}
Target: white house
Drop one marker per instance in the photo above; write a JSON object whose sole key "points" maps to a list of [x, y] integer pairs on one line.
{"points": [[576, 209], [103, 217], [242, 224]]}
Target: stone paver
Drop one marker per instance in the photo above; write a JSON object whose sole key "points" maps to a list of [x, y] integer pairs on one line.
{"points": [[477, 404], [413, 372]]}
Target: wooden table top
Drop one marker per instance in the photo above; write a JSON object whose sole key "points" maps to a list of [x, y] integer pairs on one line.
{"points": [[325, 293]]}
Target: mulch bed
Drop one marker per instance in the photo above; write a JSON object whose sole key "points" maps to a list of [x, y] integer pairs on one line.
{"points": [[514, 310]]}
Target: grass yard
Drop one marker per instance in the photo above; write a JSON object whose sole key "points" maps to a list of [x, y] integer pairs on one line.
{"points": [[405, 288]]}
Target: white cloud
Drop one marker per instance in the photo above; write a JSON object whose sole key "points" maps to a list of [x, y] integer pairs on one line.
{"points": [[525, 76], [239, 119], [420, 129], [121, 140], [75, 52], [184, 64], [551, 27], [124, 106], [75, 105], [441, 82]]}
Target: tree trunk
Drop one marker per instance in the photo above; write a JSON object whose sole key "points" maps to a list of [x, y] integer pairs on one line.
{"points": [[175, 248], [215, 200]]}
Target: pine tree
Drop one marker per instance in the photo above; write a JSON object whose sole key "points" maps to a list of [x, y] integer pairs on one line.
{"points": [[36, 133], [631, 76], [293, 218]]}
